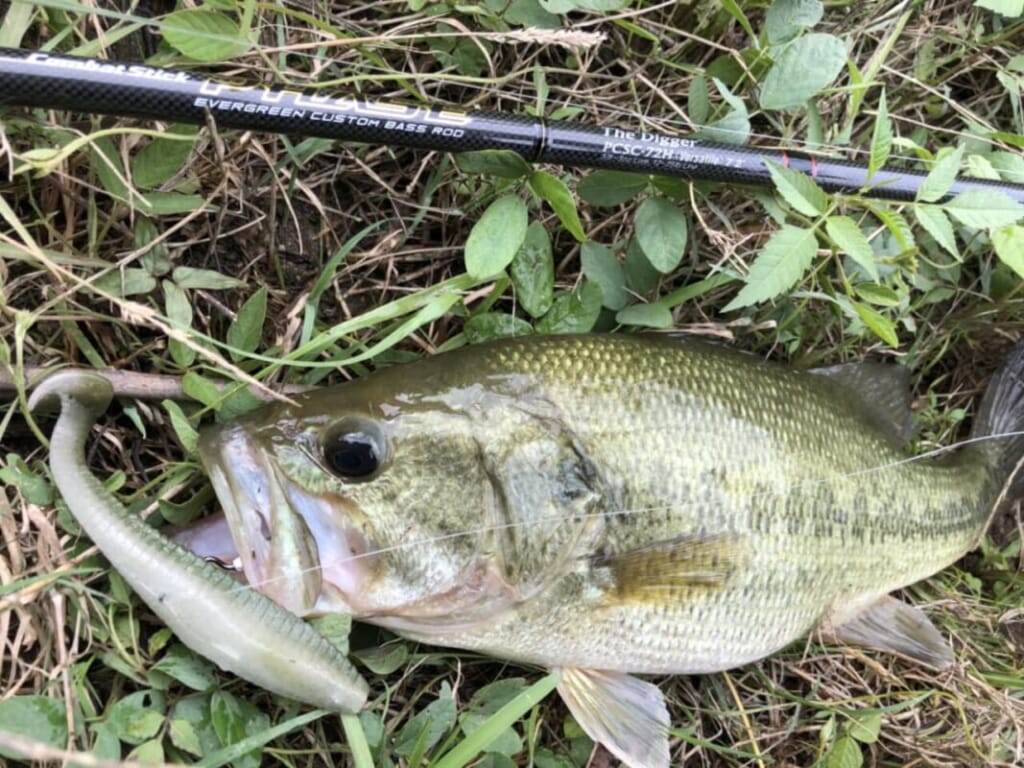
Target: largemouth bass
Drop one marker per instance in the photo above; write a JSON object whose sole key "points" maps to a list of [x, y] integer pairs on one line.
{"points": [[610, 505]]}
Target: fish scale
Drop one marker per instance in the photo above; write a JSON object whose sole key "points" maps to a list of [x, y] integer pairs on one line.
{"points": [[607, 505]]}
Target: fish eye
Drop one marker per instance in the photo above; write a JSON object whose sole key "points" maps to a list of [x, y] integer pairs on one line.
{"points": [[354, 449]]}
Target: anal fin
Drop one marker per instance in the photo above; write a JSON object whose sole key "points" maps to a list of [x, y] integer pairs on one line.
{"points": [[893, 626], [626, 715]]}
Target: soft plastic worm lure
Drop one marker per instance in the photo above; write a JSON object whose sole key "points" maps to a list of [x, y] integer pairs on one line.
{"points": [[237, 628]]}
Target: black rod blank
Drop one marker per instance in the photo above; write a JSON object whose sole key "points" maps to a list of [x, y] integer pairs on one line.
{"points": [[51, 81]]}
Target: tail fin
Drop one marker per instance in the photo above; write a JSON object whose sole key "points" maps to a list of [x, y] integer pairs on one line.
{"points": [[1002, 413]]}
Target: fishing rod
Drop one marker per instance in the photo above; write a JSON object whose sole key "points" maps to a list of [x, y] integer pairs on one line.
{"points": [[53, 81]]}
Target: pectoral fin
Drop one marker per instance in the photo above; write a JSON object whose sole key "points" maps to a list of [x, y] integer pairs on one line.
{"points": [[893, 626], [672, 570], [623, 713]]}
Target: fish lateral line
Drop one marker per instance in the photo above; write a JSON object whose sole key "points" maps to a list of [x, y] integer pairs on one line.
{"points": [[652, 509]]}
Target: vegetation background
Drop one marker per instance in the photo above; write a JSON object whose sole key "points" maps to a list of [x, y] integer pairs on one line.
{"points": [[209, 255]]}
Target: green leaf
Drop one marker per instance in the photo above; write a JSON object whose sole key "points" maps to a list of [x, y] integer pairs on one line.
{"points": [[545, 758], [879, 295], [698, 100], [533, 271], [845, 233], [941, 177], [203, 35], [864, 726], [979, 167], [16, 473], [469, 57], [602, 6], [733, 9], [246, 330], [804, 68], [661, 232], [896, 225], [935, 222], [984, 208], [383, 659], [528, 13], [600, 265], [732, 127], [878, 323], [170, 203], [672, 187], [235, 719], [503, 163], [425, 728], [161, 159], [126, 282], [1009, 165], [373, 728], [154, 257], [881, 138], [37, 719], [607, 189], [845, 753], [109, 168], [641, 277], [204, 279], [1011, 9], [200, 389], [782, 262], [137, 717], [798, 189], [187, 668], [150, 751], [484, 704], [184, 736], [495, 325], [1009, 246], [573, 311], [335, 628], [193, 714], [557, 194], [187, 434], [654, 315], [729, 97], [105, 745], [496, 237], [786, 19], [179, 312], [514, 711], [567, 6]]}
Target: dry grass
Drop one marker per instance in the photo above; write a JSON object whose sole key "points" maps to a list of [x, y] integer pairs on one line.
{"points": [[281, 207]]}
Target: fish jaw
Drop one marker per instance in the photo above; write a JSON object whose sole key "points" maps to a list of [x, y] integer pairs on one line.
{"points": [[210, 538], [292, 544]]}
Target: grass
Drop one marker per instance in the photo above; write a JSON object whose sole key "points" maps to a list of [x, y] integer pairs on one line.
{"points": [[225, 255]]}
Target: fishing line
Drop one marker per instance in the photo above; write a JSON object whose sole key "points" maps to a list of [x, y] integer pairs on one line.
{"points": [[636, 511]]}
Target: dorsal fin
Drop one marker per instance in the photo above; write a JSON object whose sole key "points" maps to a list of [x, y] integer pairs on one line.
{"points": [[882, 393]]}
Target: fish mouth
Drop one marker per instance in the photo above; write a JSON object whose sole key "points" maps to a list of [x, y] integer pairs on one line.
{"points": [[294, 546]]}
